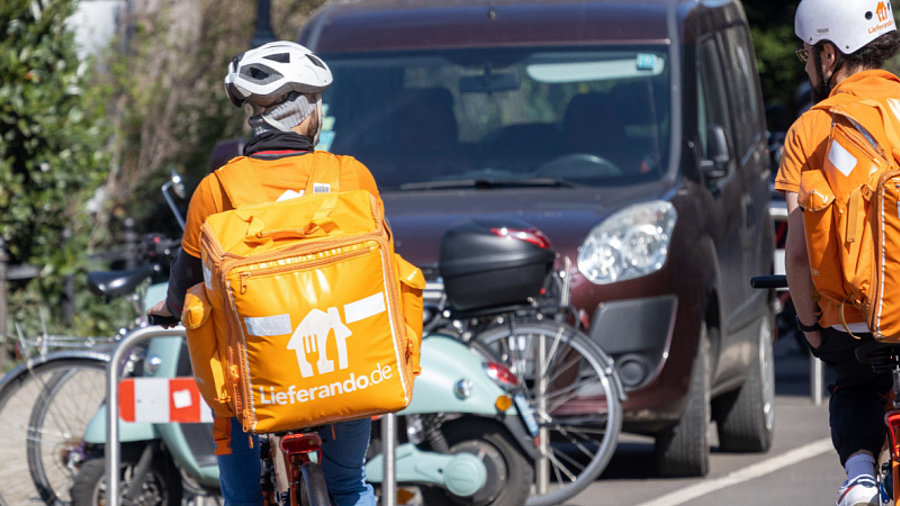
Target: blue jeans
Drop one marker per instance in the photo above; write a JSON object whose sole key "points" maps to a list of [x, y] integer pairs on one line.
{"points": [[343, 460]]}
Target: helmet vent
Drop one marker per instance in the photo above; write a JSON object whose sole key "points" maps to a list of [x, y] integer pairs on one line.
{"points": [[317, 62], [256, 73], [279, 57]]}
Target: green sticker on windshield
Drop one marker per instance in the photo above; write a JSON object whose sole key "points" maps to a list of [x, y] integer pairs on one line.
{"points": [[646, 61]]}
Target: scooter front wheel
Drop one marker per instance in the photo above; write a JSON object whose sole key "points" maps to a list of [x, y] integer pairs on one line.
{"points": [[161, 486]]}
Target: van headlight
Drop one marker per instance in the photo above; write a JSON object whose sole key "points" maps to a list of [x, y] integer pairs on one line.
{"points": [[629, 244]]}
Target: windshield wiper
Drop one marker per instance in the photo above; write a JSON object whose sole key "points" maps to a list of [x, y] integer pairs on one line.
{"points": [[484, 183]]}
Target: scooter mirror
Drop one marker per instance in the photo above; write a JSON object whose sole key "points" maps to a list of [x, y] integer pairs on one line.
{"points": [[177, 184]]}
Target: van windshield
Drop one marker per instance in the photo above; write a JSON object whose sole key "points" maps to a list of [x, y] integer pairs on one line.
{"points": [[501, 116]]}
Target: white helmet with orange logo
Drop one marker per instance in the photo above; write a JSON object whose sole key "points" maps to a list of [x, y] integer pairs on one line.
{"points": [[849, 24]]}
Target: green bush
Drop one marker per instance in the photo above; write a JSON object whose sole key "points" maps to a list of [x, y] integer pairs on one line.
{"points": [[52, 156]]}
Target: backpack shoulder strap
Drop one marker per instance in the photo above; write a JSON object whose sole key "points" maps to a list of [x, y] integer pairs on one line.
{"points": [[889, 109], [324, 177], [230, 179], [324, 173]]}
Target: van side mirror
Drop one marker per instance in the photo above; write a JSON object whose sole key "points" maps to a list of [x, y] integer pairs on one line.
{"points": [[715, 165]]}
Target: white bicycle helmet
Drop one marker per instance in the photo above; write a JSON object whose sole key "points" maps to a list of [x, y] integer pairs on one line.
{"points": [[848, 24], [265, 75]]}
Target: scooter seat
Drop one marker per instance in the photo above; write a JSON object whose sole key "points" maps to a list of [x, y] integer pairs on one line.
{"points": [[118, 283]]}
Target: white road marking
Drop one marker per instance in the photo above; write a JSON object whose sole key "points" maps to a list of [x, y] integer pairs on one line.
{"points": [[764, 467]]}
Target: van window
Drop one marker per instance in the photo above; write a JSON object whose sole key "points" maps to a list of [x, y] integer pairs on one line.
{"points": [[586, 116], [741, 73], [711, 97]]}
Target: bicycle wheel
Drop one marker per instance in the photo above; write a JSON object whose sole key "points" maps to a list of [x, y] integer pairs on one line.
{"points": [[571, 385], [311, 487], [70, 389]]}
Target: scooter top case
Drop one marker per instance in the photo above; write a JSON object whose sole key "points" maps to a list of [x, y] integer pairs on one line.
{"points": [[490, 262]]}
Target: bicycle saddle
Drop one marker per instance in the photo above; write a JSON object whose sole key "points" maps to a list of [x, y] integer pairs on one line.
{"points": [[116, 283]]}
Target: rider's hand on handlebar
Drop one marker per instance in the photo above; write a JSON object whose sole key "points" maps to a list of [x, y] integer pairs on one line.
{"points": [[162, 316]]}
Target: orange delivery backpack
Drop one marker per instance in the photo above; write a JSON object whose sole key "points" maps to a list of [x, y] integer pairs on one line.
{"points": [[315, 319], [851, 213]]}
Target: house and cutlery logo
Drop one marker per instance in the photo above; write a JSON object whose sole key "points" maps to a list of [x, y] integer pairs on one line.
{"points": [[311, 337]]}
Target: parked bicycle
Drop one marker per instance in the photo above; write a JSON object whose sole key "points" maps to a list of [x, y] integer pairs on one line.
{"points": [[47, 403], [45, 406], [500, 295]]}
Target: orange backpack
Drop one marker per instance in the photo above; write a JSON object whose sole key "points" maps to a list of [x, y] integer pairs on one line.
{"points": [[852, 214], [314, 316]]}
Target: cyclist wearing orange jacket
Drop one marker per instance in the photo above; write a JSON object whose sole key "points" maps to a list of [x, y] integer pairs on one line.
{"points": [[282, 83], [845, 42]]}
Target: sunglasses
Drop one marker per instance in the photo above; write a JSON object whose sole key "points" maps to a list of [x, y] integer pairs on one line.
{"points": [[802, 54]]}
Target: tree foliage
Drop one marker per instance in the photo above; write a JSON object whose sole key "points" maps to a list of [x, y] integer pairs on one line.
{"points": [[781, 74], [166, 80], [70, 136], [52, 134]]}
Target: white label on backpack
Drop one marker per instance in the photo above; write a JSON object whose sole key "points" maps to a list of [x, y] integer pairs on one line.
{"points": [[321, 188], [842, 160], [207, 277], [277, 325]]}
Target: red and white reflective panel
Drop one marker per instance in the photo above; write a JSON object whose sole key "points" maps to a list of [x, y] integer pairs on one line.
{"points": [[162, 400]]}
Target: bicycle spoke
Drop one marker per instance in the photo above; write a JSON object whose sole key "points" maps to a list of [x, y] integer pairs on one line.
{"points": [[565, 394], [572, 370], [557, 464], [573, 464]]}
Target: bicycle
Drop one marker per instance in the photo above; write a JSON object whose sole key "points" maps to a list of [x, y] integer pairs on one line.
{"points": [[883, 358], [47, 402], [569, 382], [291, 475], [45, 406]]}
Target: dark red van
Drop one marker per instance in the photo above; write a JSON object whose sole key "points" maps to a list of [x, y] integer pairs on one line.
{"points": [[631, 132]]}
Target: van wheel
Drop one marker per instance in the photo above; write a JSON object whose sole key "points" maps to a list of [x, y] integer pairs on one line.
{"points": [[746, 417], [683, 450]]}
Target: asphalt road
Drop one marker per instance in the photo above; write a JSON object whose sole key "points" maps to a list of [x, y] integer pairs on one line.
{"points": [[801, 468]]}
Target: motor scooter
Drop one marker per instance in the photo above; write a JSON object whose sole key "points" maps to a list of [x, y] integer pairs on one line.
{"points": [[459, 396]]}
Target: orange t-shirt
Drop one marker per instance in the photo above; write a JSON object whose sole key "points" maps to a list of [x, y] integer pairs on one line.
{"points": [[805, 147], [274, 177]]}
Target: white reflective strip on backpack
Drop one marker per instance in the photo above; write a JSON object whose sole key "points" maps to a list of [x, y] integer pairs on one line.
{"points": [[265, 326], [364, 308], [842, 160]]}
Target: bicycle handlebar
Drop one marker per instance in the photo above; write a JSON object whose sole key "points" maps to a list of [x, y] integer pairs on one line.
{"points": [[769, 281], [155, 319]]}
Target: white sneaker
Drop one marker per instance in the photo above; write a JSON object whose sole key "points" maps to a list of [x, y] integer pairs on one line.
{"points": [[860, 491]]}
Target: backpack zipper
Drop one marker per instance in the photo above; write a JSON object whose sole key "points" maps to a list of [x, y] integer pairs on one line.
{"points": [[244, 277]]}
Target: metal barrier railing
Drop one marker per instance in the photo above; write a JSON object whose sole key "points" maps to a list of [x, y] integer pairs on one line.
{"points": [[388, 426]]}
